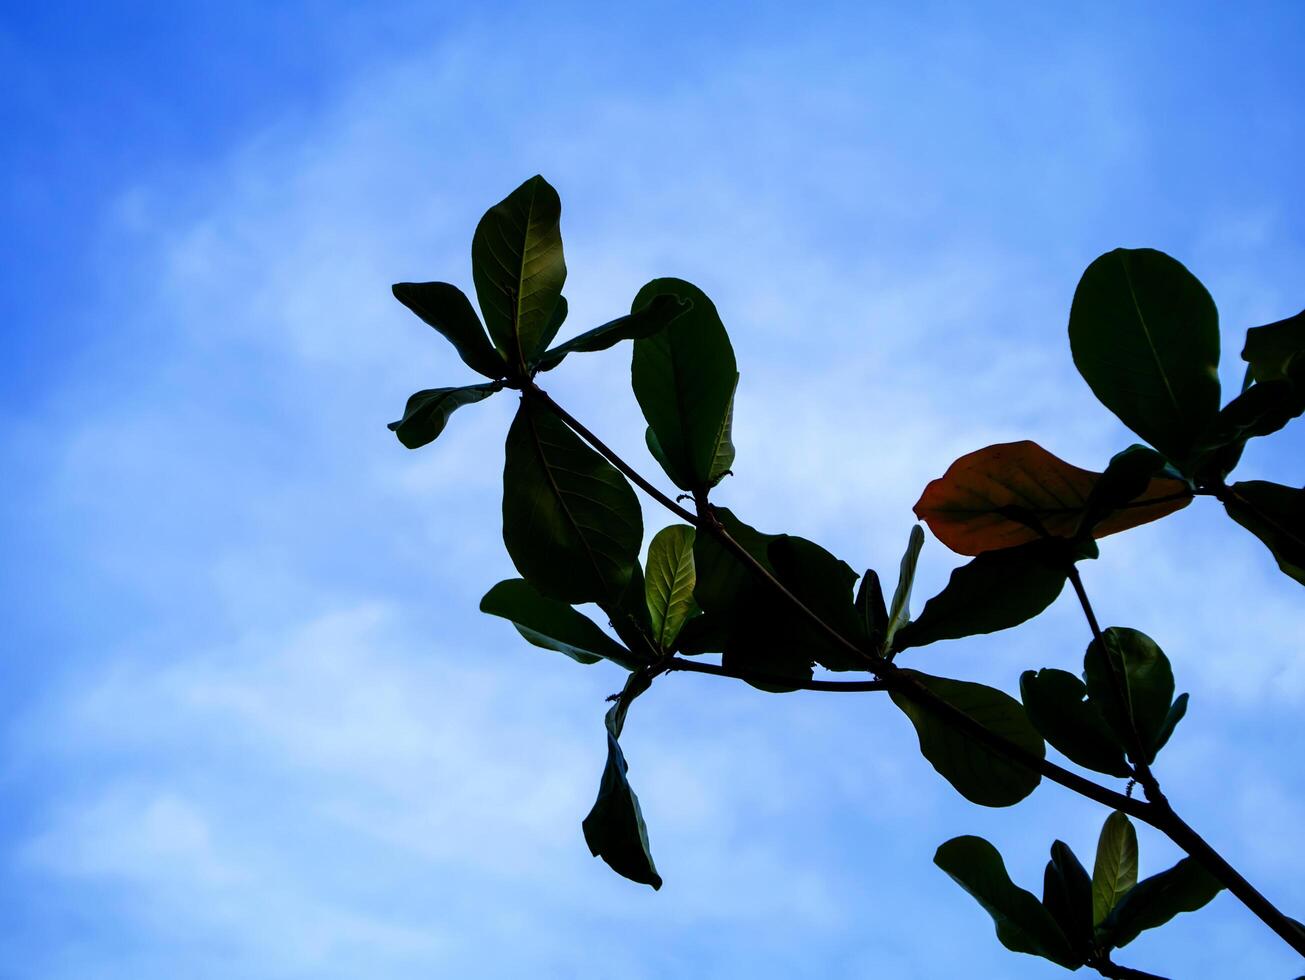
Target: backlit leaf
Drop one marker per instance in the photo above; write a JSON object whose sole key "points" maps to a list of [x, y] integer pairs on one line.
{"points": [[1115, 870], [1057, 704], [446, 308], [669, 582], [1276, 515], [427, 412], [554, 625]]}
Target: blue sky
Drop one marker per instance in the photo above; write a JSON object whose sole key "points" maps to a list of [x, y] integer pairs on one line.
{"points": [[253, 723]]}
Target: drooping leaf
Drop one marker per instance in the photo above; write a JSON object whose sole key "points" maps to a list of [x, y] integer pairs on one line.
{"points": [[1133, 685], [978, 773], [643, 322], [899, 612], [969, 508], [427, 412], [519, 271], [1145, 336], [629, 618], [614, 828], [554, 625], [571, 523], [684, 379], [1115, 870], [1276, 515], [1269, 349], [669, 582], [446, 308], [870, 609], [1153, 901], [1056, 702], [1023, 924], [1067, 895], [995, 591]]}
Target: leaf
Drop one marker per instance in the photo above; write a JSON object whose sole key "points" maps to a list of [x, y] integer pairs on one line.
{"points": [[1174, 715], [702, 634], [1276, 515], [427, 412], [869, 606], [571, 523], [554, 625], [1132, 683], [899, 613], [614, 828], [823, 584], [969, 508], [1153, 901], [1067, 895], [1144, 334], [1260, 410], [684, 379], [995, 591], [628, 615], [643, 322], [670, 580], [1056, 704], [446, 308], [519, 271], [978, 773], [1115, 870], [1269, 349], [723, 582], [1023, 924], [1131, 478]]}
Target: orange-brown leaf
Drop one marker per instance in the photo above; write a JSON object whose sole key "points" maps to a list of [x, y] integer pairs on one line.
{"points": [[962, 507]]}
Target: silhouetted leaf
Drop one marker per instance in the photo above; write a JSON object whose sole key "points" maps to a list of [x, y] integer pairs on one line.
{"points": [[1145, 336], [1115, 870], [1260, 410], [554, 625], [823, 584], [1118, 497], [643, 322], [670, 581], [684, 379], [1067, 895], [427, 412], [1056, 703], [969, 508], [899, 612], [570, 521], [1023, 924], [723, 582], [995, 591], [628, 615], [870, 609], [1276, 515], [979, 774], [1136, 693], [1172, 717], [519, 270], [1269, 349], [446, 308], [614, 829], [1153, 901], [702, 634]]}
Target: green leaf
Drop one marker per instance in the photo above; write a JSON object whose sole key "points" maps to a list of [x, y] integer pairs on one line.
{"points": [[1260, 410], [554, 625], [446, 308], [1023, 924], [1145, 336], [571, 523], [978, 773], [1115, 870], [1067, 895], [703, 634], [684, 379], [724, 584], [1276, 515], [614, 828], [1056, 703], [1129, 475], [643, 322], [995, 591], [1153, 901], [628, 615], [519, 271], [1269, 349], [1132, 683], [871, 611], [823, 584], [899, 613], [1174, 715], [670, 580], [427, 412]]}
